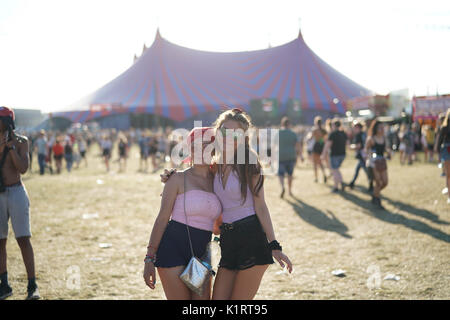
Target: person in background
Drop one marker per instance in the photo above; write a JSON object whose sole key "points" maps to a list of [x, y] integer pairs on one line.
{"points": [[58, 154], [42, 151], [152, 150], [402, 143], [375, 150], [68, 154], [429, 137], [310, 145], [144, 146], [408, 139], [359, 140], [335, 148], [289, 148], [437, 148], [123, 151], [301, 140], [417, 140], [82, 148], [443, 143], [162, 145], [318, 134], [76, 153], [106, 146]]}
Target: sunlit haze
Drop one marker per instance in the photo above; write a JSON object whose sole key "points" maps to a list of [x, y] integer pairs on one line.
{"points": [[53, 53]]}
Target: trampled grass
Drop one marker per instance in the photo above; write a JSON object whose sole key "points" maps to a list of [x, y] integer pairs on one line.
{"points": [[318, 230]]}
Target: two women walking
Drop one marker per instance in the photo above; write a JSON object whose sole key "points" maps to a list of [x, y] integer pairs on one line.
{"points": [[248, 243]]}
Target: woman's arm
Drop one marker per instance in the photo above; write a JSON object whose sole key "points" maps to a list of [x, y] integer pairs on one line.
{"points": [[326, 149], [368, 145], [169, 195], [168, 199], [263, 214]]}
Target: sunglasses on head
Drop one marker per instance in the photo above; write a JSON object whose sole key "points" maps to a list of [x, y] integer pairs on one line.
{"points": [[231, 133]]}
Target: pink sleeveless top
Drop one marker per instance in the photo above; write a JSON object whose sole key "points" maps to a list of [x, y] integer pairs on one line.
{"points": [[202, 209], [232, 207]]}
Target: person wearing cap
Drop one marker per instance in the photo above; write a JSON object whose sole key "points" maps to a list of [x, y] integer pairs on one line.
{"points": [[14, 202], [188, 201]]}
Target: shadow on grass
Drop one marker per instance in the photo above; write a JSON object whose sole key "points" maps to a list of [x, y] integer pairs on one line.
{"points": [[423, 213], [319, 219], [394, 218]]}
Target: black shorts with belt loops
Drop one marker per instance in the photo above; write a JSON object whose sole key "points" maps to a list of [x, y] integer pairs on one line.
{"points": [[244, 244]]}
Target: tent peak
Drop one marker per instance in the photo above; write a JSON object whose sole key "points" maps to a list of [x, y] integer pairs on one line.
{"points": [[158, 34], [300, 36]]}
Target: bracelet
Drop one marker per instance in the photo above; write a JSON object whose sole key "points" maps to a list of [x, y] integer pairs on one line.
{"points": [[151, 259], [275, 245]]}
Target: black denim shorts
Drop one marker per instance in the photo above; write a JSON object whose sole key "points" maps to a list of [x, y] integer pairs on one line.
{"points": [[244, 244]]}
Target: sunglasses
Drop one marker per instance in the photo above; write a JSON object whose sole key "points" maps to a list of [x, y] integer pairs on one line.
{"points": [[231, 133]]}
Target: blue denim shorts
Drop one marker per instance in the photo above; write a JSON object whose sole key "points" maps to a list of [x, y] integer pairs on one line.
{"points": [[336, 161], [286, 167]]}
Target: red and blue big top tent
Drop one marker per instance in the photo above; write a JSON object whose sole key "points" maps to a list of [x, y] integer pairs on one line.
{"points": [[181, 83]]}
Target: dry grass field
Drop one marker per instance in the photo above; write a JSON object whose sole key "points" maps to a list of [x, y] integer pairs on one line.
{"points": [[319, 231]]}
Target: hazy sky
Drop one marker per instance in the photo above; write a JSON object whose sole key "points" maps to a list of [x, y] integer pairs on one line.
{"points": [[54, 52]]}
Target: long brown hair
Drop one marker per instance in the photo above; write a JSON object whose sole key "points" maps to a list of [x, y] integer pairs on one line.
{"points": [[373, 127], [446, 122], [245, 171]]}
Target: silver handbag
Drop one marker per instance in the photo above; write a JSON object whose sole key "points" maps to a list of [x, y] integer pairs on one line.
{"points": [[196, 274]]}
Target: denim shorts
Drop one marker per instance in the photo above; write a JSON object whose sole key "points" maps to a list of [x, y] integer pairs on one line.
{"points": [[244, 244], [336, 161], [15, 204], [286, 167], [174, 249]]}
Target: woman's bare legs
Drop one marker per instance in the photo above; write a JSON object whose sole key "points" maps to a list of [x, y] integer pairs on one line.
{"points": [[318, 163], [447, 172], [238, 285], [223, 285], [175, 289], [381, 181], [247, 283]]}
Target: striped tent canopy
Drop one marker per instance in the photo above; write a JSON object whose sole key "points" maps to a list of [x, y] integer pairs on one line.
{"points": [[179, 83]]}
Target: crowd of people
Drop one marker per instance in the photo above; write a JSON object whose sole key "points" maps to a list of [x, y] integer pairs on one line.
{"points": [[373, 142], [326, 144], [55, 148]]}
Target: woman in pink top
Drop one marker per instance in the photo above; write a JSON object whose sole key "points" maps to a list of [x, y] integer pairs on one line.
{"points": [[169, 249], [247, 238]]}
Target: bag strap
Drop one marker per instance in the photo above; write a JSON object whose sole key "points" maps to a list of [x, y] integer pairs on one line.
{"points": [[2, 162], [5, 153], [187, 227]]}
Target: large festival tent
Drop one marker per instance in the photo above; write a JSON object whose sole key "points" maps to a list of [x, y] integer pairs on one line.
{"points": [[180, 85]]}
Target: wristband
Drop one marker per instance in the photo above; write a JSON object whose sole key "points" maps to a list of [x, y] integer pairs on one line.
{"points": [[151, 259], [275, 245]]}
